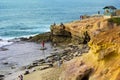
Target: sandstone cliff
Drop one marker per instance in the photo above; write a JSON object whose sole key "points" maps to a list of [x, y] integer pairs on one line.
{"points": [[102, 60], [81, 31]]}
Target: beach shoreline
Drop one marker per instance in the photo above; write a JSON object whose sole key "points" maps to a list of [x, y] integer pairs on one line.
{"points": [[15, 55], [46, 60]]}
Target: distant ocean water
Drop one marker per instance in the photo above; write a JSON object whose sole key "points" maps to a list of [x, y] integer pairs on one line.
{"points": [[29, 17]]}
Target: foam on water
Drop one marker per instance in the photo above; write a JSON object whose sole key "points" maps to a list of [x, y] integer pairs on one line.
{"points": [[5, 43]]}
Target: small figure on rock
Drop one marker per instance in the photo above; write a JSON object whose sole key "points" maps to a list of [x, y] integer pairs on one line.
{"points": [[62, 25], [54, 24], [98, 12], [81, 17]]}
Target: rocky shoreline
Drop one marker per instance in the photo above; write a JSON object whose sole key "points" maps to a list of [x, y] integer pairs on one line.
{"points": [[65, 47], [63, 55], [60, 54]]}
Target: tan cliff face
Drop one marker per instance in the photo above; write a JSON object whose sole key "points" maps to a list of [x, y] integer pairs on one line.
{"points": [[105, 53], [101, 63], [77, 29]]}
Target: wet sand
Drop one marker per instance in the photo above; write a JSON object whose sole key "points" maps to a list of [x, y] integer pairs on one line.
{"points": [[20, 54]]}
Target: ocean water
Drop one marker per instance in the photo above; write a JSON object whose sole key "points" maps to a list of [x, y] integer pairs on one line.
{"points": [[29, 17]]}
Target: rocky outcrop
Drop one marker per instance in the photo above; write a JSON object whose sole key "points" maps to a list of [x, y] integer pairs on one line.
{"points": [[59, 34], [82, 31], [41, 37], [59, 30], [102, 60]]}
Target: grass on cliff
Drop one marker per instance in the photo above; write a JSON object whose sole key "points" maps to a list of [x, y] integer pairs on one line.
{"points": [[115, 20]]}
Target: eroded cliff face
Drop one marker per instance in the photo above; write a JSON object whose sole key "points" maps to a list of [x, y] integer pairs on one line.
{"points": [[81, 31], [104, 55], [101, 63]]}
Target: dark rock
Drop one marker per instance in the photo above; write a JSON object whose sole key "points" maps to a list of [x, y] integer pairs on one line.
{"points": [[14, 40], [35, 63], [50, 65], [30, 66], [26, 72], [5, 63], [2, 77], [41, 61], [23, 68], [44, 68], [3, 49], [24, 39], [13, 67], [49, 59], [41, 37]]}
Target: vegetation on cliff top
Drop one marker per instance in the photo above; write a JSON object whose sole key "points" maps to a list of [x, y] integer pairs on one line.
{"points": [[115, 20]]}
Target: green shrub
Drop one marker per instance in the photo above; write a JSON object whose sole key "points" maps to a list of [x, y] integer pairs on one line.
{"points": [[115, 20]]}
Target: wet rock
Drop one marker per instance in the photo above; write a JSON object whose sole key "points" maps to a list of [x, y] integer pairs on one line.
{"points": [[41, 37], [41, 61], [26, 72], [51, 59], [44, 68], [13, 67], [55, 49], [30, 66], [50, 65], [35, 63], [24, 39], [5, 63], [2, 77], [14, 40], [3, 49], [23, 68]]}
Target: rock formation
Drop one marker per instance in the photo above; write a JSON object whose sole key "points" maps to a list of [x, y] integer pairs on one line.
{"points": [[102, 60]]}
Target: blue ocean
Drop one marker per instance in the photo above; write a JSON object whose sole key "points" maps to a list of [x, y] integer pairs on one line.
{"points": [[29, 17]]}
